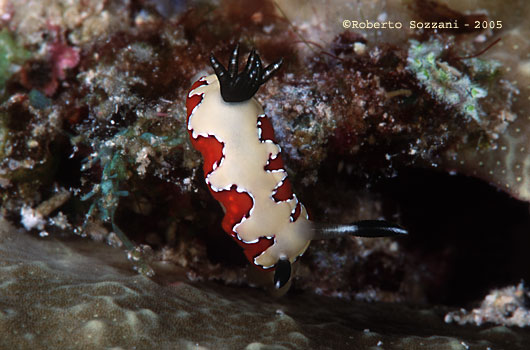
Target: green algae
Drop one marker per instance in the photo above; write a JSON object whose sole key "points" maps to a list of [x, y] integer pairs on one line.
{"points": [[11, 56], [38, 100], [117, 157], [445, 82]]}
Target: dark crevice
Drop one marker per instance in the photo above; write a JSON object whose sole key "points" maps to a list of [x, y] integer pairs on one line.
{"points": [[469, 236]]}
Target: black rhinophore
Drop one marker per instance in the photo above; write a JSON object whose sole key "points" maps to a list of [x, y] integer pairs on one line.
{"points": [[239, 87]]}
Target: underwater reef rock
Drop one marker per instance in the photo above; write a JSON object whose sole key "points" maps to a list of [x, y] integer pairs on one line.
{"points": [[92, 103], [506, 162], [507, 306], [79, 294], [503, 160]]}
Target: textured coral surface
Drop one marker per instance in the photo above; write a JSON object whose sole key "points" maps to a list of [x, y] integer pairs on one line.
{"points": [[76, 294]]}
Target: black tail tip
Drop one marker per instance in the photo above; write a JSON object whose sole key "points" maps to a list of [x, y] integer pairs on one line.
{"points": [[282, 273]]}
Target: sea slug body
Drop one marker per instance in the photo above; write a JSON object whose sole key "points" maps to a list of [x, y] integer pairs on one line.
{"points": [[244, 170]]}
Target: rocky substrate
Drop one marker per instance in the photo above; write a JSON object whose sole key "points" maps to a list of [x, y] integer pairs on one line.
{"points": [[80, 294]]}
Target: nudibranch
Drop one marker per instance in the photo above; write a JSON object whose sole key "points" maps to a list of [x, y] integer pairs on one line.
{"points": [[244, 171]]}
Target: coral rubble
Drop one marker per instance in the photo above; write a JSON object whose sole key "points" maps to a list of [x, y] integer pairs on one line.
{"points": [[507, 306]]}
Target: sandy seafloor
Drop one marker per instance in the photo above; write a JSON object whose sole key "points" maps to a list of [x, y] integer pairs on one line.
{"points": [[80, 294]]}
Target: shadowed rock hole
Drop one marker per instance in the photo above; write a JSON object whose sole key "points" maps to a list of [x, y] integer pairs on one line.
{"points": [[468, 235]]}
